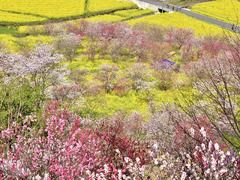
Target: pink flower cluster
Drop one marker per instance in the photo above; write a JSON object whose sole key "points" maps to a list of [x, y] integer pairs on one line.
{"points": [[66, 149]]}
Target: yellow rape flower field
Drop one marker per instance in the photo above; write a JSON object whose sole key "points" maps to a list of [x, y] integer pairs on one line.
{"points": [[133, 13], [23, 11], [122, 15], [225, 10], [106, 18], [108, 5], [179, 20], [44, 8], [6, 17]]}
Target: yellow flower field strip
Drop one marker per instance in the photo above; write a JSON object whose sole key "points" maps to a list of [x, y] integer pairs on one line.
{"points": [[133, 13], [48, 8], [122, 15], [179, 20], [108, 5], [225, 10], [106, 17], [62, 8], [57, 9], [6, 17], [11, 41]]}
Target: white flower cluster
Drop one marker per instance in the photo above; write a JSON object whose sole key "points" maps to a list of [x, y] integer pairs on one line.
{"points": [[206, 161]]}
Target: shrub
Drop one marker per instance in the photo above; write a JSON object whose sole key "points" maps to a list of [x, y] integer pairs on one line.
{"points": [[191, 51], [140, 74], [179, 37], [164, 79], [122, 86], [78, 76], [57, 29], [3, 45], [139, 46], [34, 30], [67, 93], [68, 45], [93, 43], [23, 46], [26, 81], [108, 75], [118, 51], [159, 52], [155, 33], [14, 101], [48, 29], [213, 45], [77, 28]]}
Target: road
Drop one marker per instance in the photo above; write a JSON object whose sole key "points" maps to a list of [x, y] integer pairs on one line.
{"points": [[188, 12]]}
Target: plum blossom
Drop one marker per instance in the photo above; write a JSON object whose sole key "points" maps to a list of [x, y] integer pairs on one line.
{"points": [[203, 132]]}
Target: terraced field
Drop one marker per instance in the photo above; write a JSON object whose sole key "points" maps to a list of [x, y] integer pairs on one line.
{"points": [[30, 11], [225, 10]]}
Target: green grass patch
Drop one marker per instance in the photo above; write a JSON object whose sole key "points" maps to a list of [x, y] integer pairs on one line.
{"points": [[8, 30]]}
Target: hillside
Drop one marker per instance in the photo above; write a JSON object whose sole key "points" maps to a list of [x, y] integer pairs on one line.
{"points": [[104, 90]]}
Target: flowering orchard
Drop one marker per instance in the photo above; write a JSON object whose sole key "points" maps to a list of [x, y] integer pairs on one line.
{"points": [[114, 101]]}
